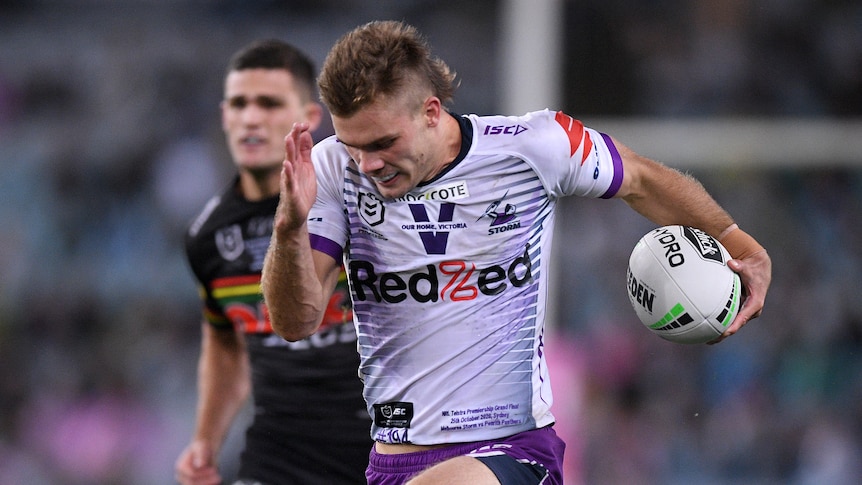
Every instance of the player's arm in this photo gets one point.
(667, 196)
(224, 383)
(296, 282)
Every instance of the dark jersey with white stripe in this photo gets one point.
(310, 423)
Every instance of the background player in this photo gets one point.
(309, 423)
(450, 303)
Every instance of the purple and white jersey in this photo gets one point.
(449, 283)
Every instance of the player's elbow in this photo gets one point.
(291, 336)
(291, 328)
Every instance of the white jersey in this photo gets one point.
(449, 283)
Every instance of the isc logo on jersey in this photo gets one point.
(448, 280)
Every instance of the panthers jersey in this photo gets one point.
(309, 422)
(449, 282)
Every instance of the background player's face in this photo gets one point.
(259, 108)
(391, 142)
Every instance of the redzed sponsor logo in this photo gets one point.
(426, 286)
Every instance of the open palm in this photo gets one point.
(298, 181)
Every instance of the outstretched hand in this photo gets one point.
(298, 181)
(755, 272)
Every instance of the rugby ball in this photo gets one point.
(680, 286)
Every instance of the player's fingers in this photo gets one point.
(196, 466)
(738, 323)
(289, 148)
(746, 313)
(199, 479)
(298, 132)
(305, 142)
(199, 476)
(756, 274)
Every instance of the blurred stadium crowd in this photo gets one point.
(111, 142)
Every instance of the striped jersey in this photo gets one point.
(449, 282)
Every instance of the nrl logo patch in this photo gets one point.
(229, 242)
(395, 414)
(371, 208)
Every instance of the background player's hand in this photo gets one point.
(197, 465)
(755, 272)
(298, 181)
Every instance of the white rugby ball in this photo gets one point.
(680, 285)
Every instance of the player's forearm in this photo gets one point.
(666, 196)
(224, 385)
(290, 286)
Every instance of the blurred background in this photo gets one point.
(110, 142)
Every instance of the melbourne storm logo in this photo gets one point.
(501, 221)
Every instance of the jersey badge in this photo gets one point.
(229, 242)
(396, 414)
(501, 220)
(371, 208)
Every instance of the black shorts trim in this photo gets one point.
(513, 472)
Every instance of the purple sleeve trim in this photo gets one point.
(618, 168)
(325, 245)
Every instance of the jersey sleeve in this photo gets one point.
(327, 220)
(212, 310)
(594, 167)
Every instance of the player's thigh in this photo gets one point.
(461, 470)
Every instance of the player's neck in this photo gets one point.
(255, 186)
(452, 137)
(451, 142)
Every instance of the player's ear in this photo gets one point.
(432, 109)
(223, 111)
(313, 115)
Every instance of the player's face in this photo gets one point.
(258, 110)
(392, 144)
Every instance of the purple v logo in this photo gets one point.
(434, 241)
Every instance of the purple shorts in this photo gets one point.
(540, 446)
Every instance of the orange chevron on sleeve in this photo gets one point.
(575, 131)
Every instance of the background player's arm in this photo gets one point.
(224, 384)
(666, 196)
